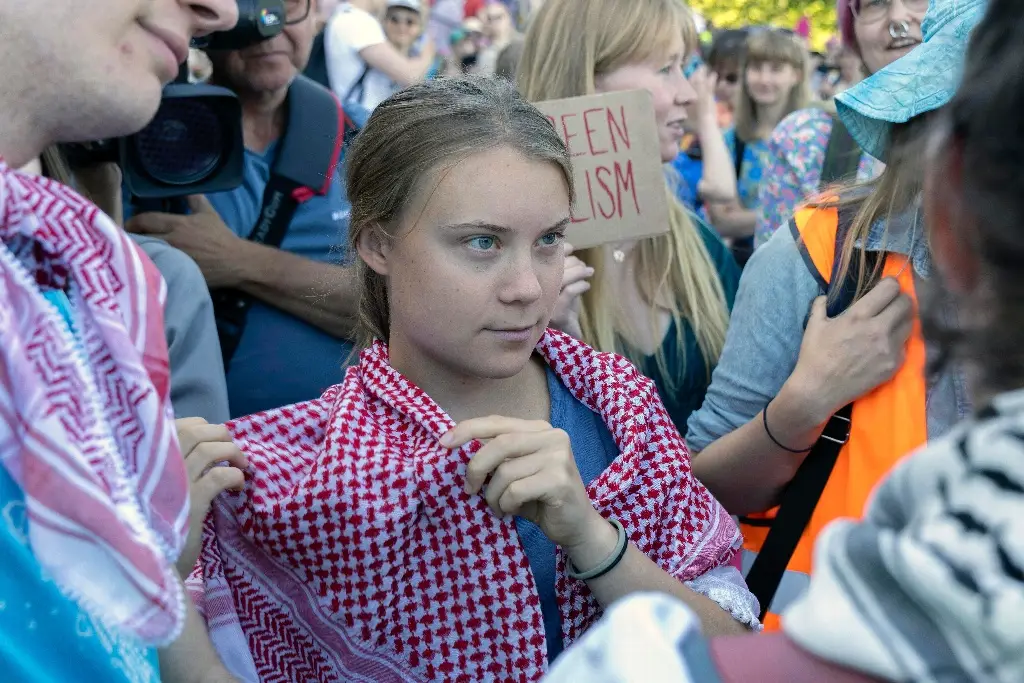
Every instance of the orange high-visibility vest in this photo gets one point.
(886, 424)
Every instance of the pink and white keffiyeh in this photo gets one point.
(354, 553)
(86, 428)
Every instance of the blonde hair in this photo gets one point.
(569, 44)
(410, 135)
(894, 191)
(774, 47)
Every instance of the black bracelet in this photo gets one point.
(609, 563)
(764, 420)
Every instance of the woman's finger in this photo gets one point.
(212, 484)
(507, 473)
(499, 449)
(488, 428)
(193, 435)
(575, 289)
(533, 489)
(575, 274)
(209, 453)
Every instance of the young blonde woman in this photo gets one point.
(878, 33)
(773, 85)
(663, 302)
(391, 531)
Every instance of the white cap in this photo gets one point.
(414, 5)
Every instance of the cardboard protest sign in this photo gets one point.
(616, 156)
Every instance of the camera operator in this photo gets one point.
(92, 485)
(292, 344)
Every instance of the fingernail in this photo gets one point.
(446, 439)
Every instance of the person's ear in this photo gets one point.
(374, 249)
(952, 227)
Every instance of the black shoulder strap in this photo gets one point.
(738, 150)
(842, 155)
(304, 167)
(801, 495)
(316, 67)
(358, 85)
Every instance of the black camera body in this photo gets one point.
(194, 143)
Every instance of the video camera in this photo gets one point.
(194, 143)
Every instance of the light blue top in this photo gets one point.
(280, 359)
(767, 327)
(594, 449)
(44, 636)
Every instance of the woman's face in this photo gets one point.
(871, 27)
(769, 83)
(728, 83)
(402, 27)
(476, 267)
(672, 93)
(497, 21)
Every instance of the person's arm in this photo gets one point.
(401, 69)
(800, 376)
(637, 573)
(198, 386)
(322, 294)
(527, 468)
(718, 180)
(796, 154)
(731, 219)
(364, 34)
(191, 658)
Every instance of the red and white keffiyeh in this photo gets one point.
(86, 428)
(354, 554)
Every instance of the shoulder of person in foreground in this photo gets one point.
(938, 563)
(198, 385)
(762, 344)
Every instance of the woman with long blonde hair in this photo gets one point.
(773, 85)
(663, 301)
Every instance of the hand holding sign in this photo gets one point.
(620, 186)
(575, 281)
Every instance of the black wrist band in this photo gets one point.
(764, 420)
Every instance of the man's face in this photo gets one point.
(270, 66)
(90, 70)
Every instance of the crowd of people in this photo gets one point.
(370, 417)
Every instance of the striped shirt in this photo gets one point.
(930, 586)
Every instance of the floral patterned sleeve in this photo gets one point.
(796, 155)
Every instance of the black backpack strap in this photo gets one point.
(358, 85)
(304, 168)
(800, 497)
(842, 155)
(738, 150)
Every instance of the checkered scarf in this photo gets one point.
(85, 422)
(354, 554)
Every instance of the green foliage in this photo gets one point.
(782, 13)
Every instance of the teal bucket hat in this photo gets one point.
(923, 80)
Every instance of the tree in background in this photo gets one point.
(782, 13)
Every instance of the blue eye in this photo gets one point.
(482, 242)
(551, 239)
